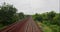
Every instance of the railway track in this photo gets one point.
(26, 25)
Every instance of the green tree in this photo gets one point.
(6, 13)
(57, 19)
(51, 15)
(21, 15)
(38, 17)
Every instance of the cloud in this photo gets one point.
(34, 6)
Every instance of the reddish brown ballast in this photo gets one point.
(26, 25)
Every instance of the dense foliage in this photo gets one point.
(8, 14)
(50, 17)
(50, 21)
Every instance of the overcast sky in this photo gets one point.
(34, 6)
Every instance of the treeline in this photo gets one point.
(48, 17)
(9, 15)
